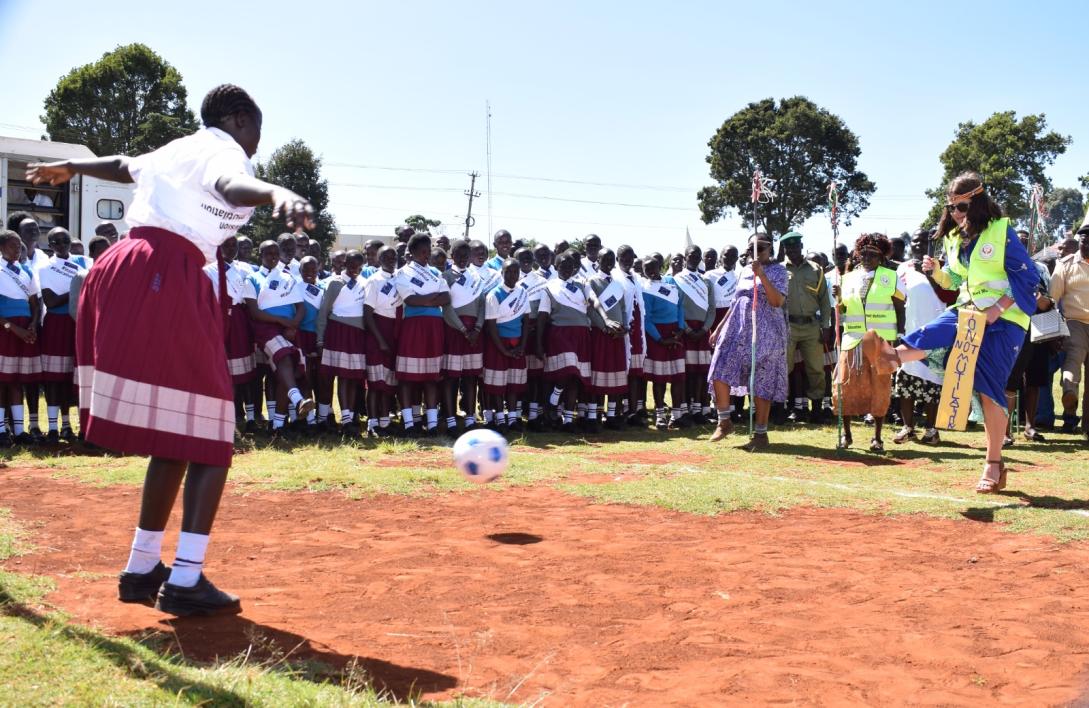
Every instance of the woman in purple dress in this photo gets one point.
(731, 363)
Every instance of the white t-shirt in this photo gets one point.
(381, 294)
(175, 189)
(921, 306)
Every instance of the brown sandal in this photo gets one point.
(988, 484)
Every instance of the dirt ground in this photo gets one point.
(528, 594)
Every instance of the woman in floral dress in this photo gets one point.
(731, 363)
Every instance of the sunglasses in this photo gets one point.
(962, 207)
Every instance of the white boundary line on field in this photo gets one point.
(881, 490)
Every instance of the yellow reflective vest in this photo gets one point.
(984, 280)
(876, 312)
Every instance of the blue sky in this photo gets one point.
(621, 94)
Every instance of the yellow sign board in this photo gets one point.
(960, 371)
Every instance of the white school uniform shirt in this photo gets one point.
(381, 294)
(349, 302)
(175, 189)
(276, 289)
(293, 268)
(921, 306)
(725, 284)
(17, 281)
(57, 275)
(236, 280)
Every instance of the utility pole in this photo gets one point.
(471, 193)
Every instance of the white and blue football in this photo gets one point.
(481, 455)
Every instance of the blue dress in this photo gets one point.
(1002, 341)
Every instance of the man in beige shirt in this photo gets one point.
(1070, 288)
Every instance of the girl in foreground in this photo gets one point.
(149, 335)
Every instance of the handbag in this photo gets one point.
(1045, 326)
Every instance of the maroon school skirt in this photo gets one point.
(534, 358)
(608, 364)
(153, 376)
(419, 350)
(664, 364)
(270, 339)
(20, 362)
(567, 354)
(345, 352)
(240, 355)
(697, 352)
(57, 344)
(459, 358)
(382, 365)
(503, 374)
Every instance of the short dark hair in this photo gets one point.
(96, 245)
(17, 217)
(417, 240)
(226, 100)
(7, 235)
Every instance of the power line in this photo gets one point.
(591, 183)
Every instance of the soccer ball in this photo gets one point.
(481, 455)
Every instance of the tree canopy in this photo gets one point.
(419, 222)
(129, 102)
(1065, 206)
(795, 142)
(1009, 154)
(295, 167)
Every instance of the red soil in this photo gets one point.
(523, 593)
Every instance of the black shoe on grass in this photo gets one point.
(142, 587)
(201, 600)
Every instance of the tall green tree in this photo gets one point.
(795, 142)
(128, 102)
(296, 167)
(419, 222)
(1009, 154)
(1064, 206)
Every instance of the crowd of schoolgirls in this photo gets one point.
(437, 337)
(37, 328)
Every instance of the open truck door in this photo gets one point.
(78, 206)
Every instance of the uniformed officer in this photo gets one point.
(809, 317)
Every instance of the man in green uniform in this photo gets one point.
(810, 319)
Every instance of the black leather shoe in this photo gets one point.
(201, 600)
(142, 587)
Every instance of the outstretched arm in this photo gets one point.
(114, 168)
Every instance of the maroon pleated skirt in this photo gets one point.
(567, 354)
(697, 352)
(664, 364)
(382, 365)
(504, 374)
(270, 339)
(57, 344)
(345, 352)
(19, 362)
(459, 357)
(153, 376)
(419, 350)
(608, 364)
(241, 360)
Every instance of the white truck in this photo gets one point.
(79, 206)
